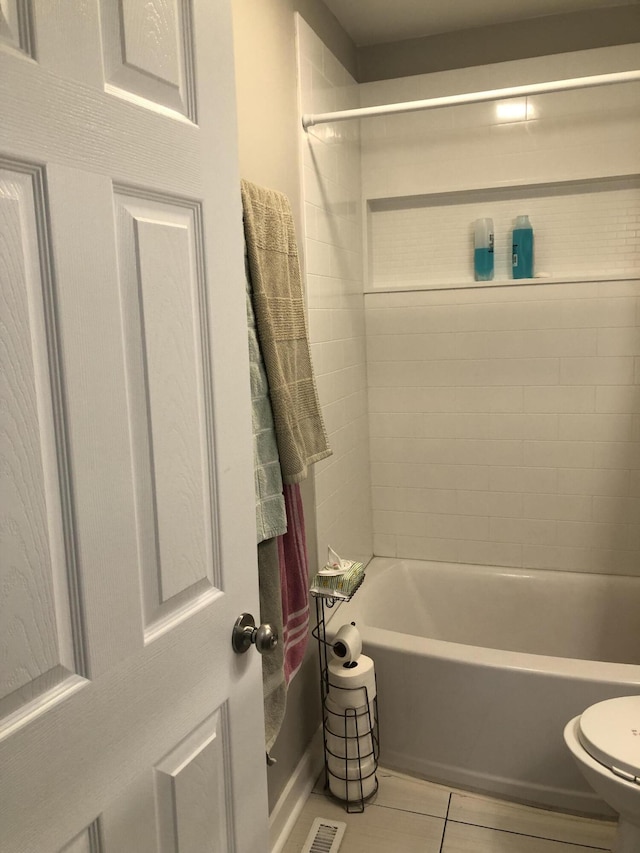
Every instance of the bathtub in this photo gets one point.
(480, 668)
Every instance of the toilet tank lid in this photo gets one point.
(610, 732)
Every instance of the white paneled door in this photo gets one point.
(127, 724)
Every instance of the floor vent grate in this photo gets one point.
(325, 836)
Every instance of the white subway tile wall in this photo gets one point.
(574, 135)
(504, 422)
(333, 263)
(577, 233)
(511, 435)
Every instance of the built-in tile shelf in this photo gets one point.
(630, 275)
(585, 230)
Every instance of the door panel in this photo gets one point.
(86, 842)
(127, 725)
(148, 53)
(15, 24)
(163, 305)
(190, 790)
(36, 628)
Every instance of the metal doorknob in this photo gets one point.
(245, 633)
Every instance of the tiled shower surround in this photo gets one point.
(504, 422)
(505, 425)
(335, 301)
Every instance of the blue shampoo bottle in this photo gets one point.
(522, 256)
(483, 250)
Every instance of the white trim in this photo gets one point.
(296, 792)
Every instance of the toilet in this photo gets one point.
(605, 742)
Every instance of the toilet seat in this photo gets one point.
(610, 732)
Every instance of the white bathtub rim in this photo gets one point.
(381, 564)
(572, 668)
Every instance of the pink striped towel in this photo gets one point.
(294, 583)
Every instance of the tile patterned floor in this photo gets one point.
(413, 816)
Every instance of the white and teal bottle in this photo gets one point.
(522, 253)
(483, 251)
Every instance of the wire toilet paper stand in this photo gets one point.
(350, 729)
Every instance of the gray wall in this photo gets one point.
(266, 82)
(268, 127)
(499, 43)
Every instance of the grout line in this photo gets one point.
(446, 821)
(446, 817)
(528, 835)
(373, 804)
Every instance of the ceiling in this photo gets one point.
(380, 21)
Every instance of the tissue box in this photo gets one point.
(338, 586)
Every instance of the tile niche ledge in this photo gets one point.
(585, 231)
(403, 287)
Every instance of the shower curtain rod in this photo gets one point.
(473, 97)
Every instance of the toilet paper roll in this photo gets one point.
(349, 722)
(353, 684)
(351, 770)
(349, 734)
(340, 777)
(347, 643)
(351, 748)
(351, 791)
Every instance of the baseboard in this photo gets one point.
(291, 802)
(572, 801)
